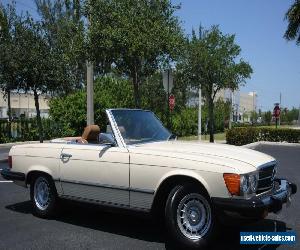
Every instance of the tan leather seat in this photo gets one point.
(90, 134)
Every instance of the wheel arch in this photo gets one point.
(38, 169)
(33, 173)
(170, 181)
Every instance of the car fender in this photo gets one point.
(184, 172)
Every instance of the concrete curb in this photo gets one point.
(256, 144)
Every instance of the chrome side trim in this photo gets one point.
(141, 199)
(109, 204)
(95, 192)
(139, 190)
(110, 194)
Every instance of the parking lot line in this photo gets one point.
(6, 181)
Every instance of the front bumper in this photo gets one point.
(13, 176)
(255, 206)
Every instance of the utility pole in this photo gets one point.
(89, 90)
(231, 110)
(200, 96)
(253, 109)
(280, 108)
(199, 114)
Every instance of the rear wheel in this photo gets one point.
(190, 217)
(43, 196)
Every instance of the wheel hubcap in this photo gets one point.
(194, 216)
(41, 193)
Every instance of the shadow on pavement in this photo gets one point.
(143, 227)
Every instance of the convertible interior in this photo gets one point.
(90, 135)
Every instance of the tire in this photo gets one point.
(189, 207)
(43, 196)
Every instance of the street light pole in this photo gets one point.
(231, 110)
(89, 89)
(199, 114)
(90, 92)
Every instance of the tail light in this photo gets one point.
(9, 161)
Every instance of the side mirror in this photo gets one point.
(107, 138)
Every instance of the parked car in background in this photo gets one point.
(137, 164)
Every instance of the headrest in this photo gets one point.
(122, 129)
(91, 133)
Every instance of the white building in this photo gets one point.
(243, 104)
(23, 104)
(248, 102)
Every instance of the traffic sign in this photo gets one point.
(276, 111)
(172, 102)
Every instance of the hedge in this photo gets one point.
(245, 135)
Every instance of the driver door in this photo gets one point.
(98, 173)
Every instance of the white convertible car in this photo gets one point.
(138, 164)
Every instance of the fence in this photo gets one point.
(27, 130)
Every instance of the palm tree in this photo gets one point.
(293, 17)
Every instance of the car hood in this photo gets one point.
(241, 159)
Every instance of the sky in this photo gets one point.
(259, 26)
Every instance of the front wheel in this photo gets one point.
(190, 217)
(43, 196)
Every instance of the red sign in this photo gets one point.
(171, 102)
(276, 111)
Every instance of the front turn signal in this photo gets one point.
(232, 182)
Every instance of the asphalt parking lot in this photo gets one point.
(90, 227)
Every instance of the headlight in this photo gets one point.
(243, 184)
(253, 181)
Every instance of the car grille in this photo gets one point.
(266, 178)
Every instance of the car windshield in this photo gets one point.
(139, 126)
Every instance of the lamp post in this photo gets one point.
(89, 89)
(199, 114)
(90, 92)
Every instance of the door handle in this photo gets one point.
(65, 155)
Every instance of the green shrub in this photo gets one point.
(245, 135)
(70, 110)
(185, 123)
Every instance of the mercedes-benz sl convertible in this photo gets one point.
(132, 161)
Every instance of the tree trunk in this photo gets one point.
(38, 115)
(136, 90)
(211, 118)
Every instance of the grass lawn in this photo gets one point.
(218, 137)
